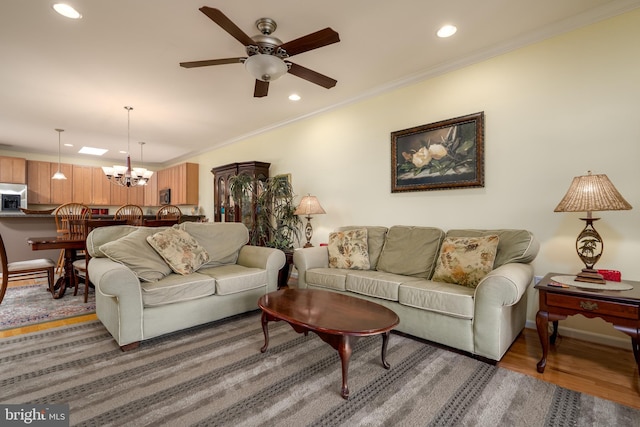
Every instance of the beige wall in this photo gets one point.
(553, 111)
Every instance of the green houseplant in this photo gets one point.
(274, 223)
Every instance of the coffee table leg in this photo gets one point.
(265, 329)
(344, 349)
(385, 341)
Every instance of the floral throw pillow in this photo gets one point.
(349, 249)
(465, 260)
(179, 249)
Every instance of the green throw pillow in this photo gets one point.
(134, 251)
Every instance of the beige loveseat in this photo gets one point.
(139, 296)
(483, 319)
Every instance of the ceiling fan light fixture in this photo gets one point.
(266, 68)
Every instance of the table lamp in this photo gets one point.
(591, 193)
(309, 205)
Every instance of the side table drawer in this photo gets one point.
(626, 311)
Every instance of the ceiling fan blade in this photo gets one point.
(261, 89)
(312, 76)
(208, 62)
(311, 41)
(225, 23)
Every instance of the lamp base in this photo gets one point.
(589, 275)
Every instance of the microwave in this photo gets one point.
(165, 197)
(10, 202)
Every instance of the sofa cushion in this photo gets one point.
(328, 278)
(376, 236)
(376, 283)
(135, 252)
(445, 298)
(221, 240)
(233, 278)
(514, 246)
(101, 235)
(411, 251)
(349, 249)
(466, 260)
(179, 249)
(175, 288)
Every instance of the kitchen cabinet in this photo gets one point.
(90, 186)
(127, 195)
(62, 189)
(41, 189)
(226, 209)
(183, 181)
(13, 170)
(39, 182)
(81, 183)
(151, 191)
(100, 187)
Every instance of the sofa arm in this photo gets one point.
(308, 258)
(500, 310)
(505, 285)
(118, 299)
(269, 259)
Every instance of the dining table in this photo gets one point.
(70, 243)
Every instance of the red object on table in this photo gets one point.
(611, 275)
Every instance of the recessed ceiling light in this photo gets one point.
(294, 97)
(68, 145)
(92, 151)
(447, 31)
(122, 151)
(66, 11)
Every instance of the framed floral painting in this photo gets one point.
(439, 156)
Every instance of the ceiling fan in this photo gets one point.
(267, 58)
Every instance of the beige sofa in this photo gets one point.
(484, 320)
(139, 296)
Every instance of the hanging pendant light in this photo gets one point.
(59, 174)
(142, 173)
(125, 176)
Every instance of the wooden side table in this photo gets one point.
(621, 308)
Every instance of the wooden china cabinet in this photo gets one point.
(226, 209)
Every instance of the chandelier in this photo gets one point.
(126, 176)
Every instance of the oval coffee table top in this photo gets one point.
(330, 312)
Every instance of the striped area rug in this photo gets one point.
(215, 375)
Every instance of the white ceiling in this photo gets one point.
(78, 75)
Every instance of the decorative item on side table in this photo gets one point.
(591, 193)
(309, 205)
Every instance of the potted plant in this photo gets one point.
(274, 223)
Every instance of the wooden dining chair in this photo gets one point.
(20, 270)
(64, 214)
(132, 213)
(169, 212)
(80, 271)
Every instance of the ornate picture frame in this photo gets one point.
(439, 156)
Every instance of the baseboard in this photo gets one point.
(588, 336)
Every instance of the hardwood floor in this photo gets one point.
(607, 372)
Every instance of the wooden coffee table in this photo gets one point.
(336, 318)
